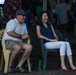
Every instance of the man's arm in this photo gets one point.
(25, 36)
(14, 34)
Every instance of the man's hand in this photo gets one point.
(24, 36)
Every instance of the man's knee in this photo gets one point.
(28, 47)
(17, 47)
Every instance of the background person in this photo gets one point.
(9, 9)
(73, 8)
(62, 19)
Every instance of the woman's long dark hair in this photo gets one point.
(39, 21)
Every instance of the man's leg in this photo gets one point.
(27, 50)
(16, 50)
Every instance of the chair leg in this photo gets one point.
(29, 65)
(6, 63)
(44, 61)
(1, 63)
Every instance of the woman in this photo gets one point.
(46, 32)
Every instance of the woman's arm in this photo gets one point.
(39, 34)
(54, 33)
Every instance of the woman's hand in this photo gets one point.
(53, 40)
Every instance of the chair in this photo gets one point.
(45, 50)
(6, 54)
(1, 61)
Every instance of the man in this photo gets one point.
(61, 11)
(15, 33)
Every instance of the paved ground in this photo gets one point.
(52, 72)
(53, 66)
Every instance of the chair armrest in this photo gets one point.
(42, 45)
(5, 51)
(28, 41)
(60, 35)
(3, 44)
(66, 39)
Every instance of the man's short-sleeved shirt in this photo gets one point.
(14, 25)
(61, 10)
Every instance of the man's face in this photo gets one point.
(21, 18)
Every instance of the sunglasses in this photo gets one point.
(23, 15)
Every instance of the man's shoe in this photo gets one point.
(19, 69)
(11, 70)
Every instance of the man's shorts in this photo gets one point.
(10, 44)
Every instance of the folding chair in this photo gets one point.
(6, 54)
(1, 61)
(45, 50)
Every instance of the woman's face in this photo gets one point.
(44, 18)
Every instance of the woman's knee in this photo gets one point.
(63, 43)
(67, 43)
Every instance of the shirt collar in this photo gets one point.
(16, 20)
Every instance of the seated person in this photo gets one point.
(15, 33)
(46, 32)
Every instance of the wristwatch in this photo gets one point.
(20, 36)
